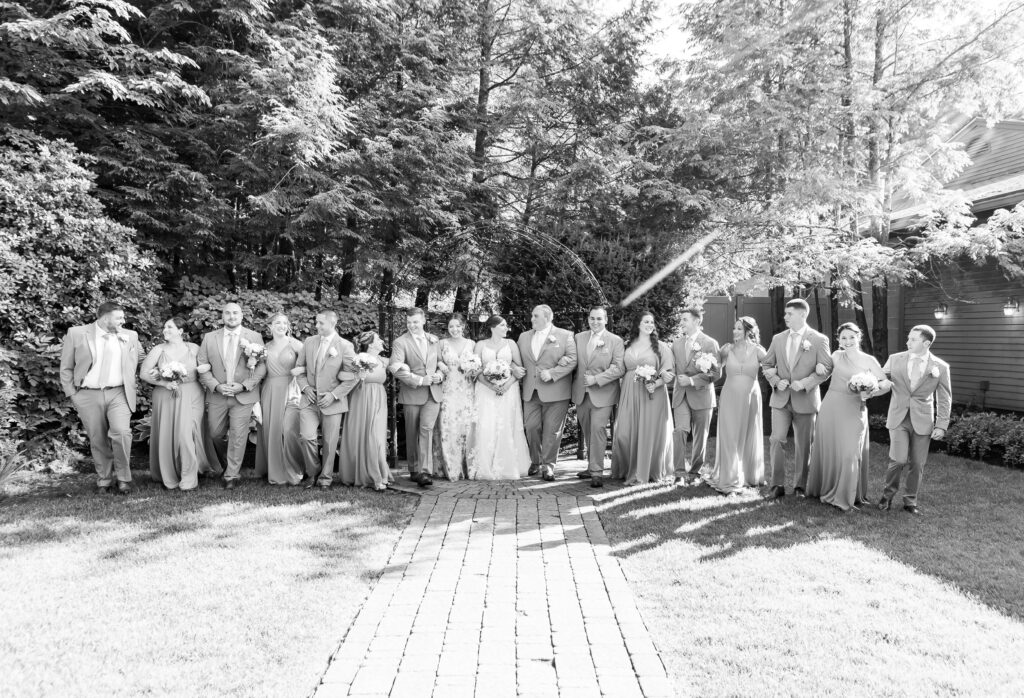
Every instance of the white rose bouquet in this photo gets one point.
(470, 364)
(864, 384)
(706, 362)
(366, 362)
(173, 372)
(497, 372)
(646, 373)
(254, 353)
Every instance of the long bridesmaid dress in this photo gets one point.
(278, 453)
(642, 447)
(840, 452)
(456, 418)
(363, 447)
(739, 444)
(176, 446)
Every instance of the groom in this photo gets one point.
(549, 357)
(693, 399)
(790, 367)
(919, 381)
(595, 389)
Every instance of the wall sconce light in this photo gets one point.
(482, 317)
(1010, 307)
(940, 311)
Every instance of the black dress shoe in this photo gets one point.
(534, 469)
(424, 479)
(230, 484)
(596, 482)
(777, 493)
(799, 492)
(124, 488)
(102, 489)
(549, 473)
(584, 475)
(884, 504)
(912, 509)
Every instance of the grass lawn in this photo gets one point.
(746, 597)
(163, 593)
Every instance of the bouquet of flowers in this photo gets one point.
(497, 372)
(646, 373)
(254, 353)
(470, 364)
(863, 383)
(173, 372)
(366, 362)
(706, 362)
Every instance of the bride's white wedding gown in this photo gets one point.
(498, 448)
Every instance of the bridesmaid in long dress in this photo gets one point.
(278, 452)
(739, 444)
(363, 448)
(457, 393)
(839, 458)
(642, 446)
(176, 451)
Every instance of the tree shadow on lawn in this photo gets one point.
(969, 534)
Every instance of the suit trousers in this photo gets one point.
(544, 422)
(107, 421)
(906, 447)
(319, 466)
(419, 435)
(698, 424)
(803, 430)
(593, 421)
(229, 430)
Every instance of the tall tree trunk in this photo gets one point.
(833, 306)
(880, 315)
(777, 303)
(463, 297)
(880, 227)
(862, 319)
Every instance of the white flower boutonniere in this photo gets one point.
(551, 340)
(332, 352)
(599, 343)
(694, 346)
(123, 339)
(431, 339)
(934, 372)
(805, 345)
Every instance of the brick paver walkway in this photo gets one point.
(500, 589)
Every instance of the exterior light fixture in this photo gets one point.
(1010, 307)
(482, 317)
(940, 311)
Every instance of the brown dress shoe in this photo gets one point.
(549, 473)
(596, 482)
(534, 469)
(584, 475)
(124, 488)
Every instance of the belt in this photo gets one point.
(108, 387)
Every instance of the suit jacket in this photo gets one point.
(605, 364)
(211, 351)
(339, 359)
(408, 361)
(921, 401)
(700, 395)
(558, 344)
(79, 349)
(805, 401)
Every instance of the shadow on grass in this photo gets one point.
(969, 534)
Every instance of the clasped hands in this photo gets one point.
(323, 401)
(230, 389)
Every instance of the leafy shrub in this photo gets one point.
(978, 434)
(1013, 446)
(12, 460)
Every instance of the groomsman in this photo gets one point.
(694, 396)
(328, 377)
(415, 364)
(791, 368)
(98, 363)
(595, 389)
(232, 390)
(919, 381)
(547, 387)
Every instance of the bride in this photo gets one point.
(498, 449)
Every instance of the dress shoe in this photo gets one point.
(534, 469)
(124, 488)
(102, 489)
(858, 502)
(424, 480)
(884, 504)
(584, 475)
(777, 493)
(596, 482)
(912, 509)
(799, 492)
(230, 484)
(549, 473)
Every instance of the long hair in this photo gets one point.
(364, 340)
(750, 328)
(492, 322)
(634, 332)
(852, 327)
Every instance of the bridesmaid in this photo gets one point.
(739, 444)
(176, 451)
(839, 458)
(642, 446)
(456, 400)
(278, 453)
(363, 448)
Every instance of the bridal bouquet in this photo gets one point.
(864, 383)
(706, 362)
(497, 372)
(646, 373)
(366, 362)
(173, 372)
(470, 364)
(254, 353)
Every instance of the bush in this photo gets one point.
(986, 434)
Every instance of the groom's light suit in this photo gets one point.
(594, 403)
(412, 363)
(228, 417)
(325, 373)
(798, 408)
(692, 404)
(912, 417)
(545, 404)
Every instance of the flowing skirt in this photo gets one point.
(840, 452)
(642, 447)
(278, 452)
(497, 443)
(739, 446)
(176, 440)
(363, 447)
(453, 425)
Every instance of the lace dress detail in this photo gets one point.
(497, 443)
(456, 418)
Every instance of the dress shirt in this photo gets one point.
(916, 369)
(592, 344)
(539, 337)
(110, 345)
(793, 344)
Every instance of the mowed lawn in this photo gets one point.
(795, 598)
(208, 593)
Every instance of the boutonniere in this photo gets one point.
(599, 343)
(694, 346)
(332, 352)
(551, 340)
(431, 339)
(934, 372)
(805, 345)
(123, 339)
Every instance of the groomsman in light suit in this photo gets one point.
(549, 357)
(415, 363)
(595, 388)
(328, 376)
(693, 397)
(920, 384)
(798, 361)
(98, 363)
(231, 389)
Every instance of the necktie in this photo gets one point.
(538, 342)
(321, 353)
(686, 348)
(592, 344)
(231, 358)
(794, 345)
(915, 372)
(107, 359)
